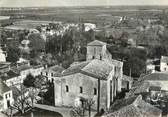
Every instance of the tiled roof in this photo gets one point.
(75, 68)
(95, 68)
(3, 88)
(99, 68)
(23, 67)
(37, 66)
(55, 68)
(129, 111)
(142, 88)
(122, 103)
(157, 76)
(133, 107)
(96, 43)
(154, 88)
(8, 75)
(148, 109)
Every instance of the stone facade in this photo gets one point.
(164, 64)
(99, 78)
(2, 56)
(72, 87)
(98, 50)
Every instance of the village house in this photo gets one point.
(127, 82)
(2, 56)
(153, 88)
(99, 78)
(133, 107)
(50, 72)
(11, 78)
(164, 64)
(6, 96)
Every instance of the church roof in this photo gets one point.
(94, 68)
(96, 43)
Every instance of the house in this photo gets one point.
(133, 107)
(164, 64)
(37, 70)
(2, 56)
(6, 96)
(127, 82)
(98, 78)
(4, 67)
(23, 70)
(98, 50)
(154, 82)
(11, 78)
(50, 72)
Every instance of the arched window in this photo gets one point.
(67, 88)
(100, 57)
(81, 90)
(95, 91)
(52, 74)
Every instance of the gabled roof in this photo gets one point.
(96, 43)
(9, 74)
(133, 107)
(95, 68)
(23, 68)
(160, 76)
(55, 68)
(3, 88)
(154, 88)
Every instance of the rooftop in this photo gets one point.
(55, 68)
(157, 76)
(96, 43)
(95, 68)
(3, 88)
(9, 74)
(132, 107)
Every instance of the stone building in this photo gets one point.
(6, 96)
(50, 72)
(99, 78)
(164, 64)
(98, 50)
(2, 56)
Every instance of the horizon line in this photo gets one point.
(78, 6)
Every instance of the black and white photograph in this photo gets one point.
(83, 58)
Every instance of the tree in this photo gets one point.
(29, 81)
(89, 103)
(13, 54)
(22, 102)
(37, 43)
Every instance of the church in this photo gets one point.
(98, 78)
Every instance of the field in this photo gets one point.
(84, 14)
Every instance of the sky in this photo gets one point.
(32, 3)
